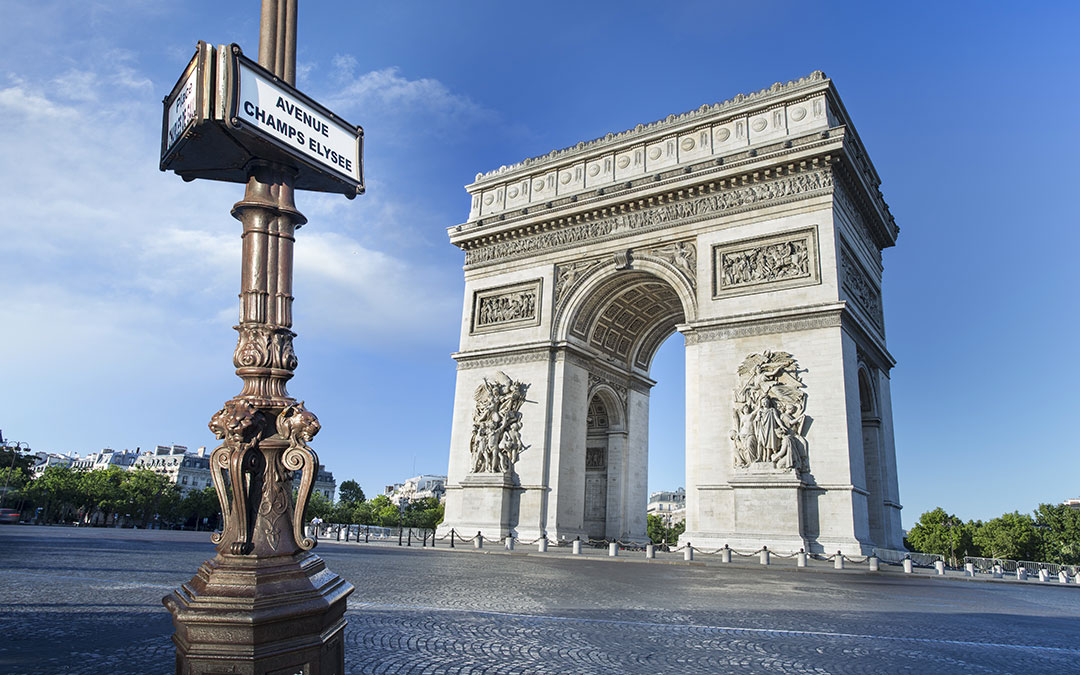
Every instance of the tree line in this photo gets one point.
(143, 498)
(138, 497)
(1050, 534)
(353, 509)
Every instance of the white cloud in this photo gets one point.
(389, 99)
(102, 228)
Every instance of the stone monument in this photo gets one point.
(755, 228)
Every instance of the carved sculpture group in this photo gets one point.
(496, 438)
(772, 262)
(769, 413)
(506, 307)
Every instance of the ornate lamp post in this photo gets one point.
(265, 603)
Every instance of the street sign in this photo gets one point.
(226, 111)
(262, 104)
(188, 104)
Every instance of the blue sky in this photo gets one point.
(120, 282)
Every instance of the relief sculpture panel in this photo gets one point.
(860, 289)
(766, 264)
(506, 307)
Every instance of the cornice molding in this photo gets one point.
(681, 207)
(766, 323)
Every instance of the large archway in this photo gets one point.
(753, 227)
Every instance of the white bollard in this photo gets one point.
(763, 558)
(875, 564)
(1044, 575)
(838, 561)
(1021, 574)
(612, 550)
(939, 566)
(478, 542)
(541, 546)
(800, 559)
(1062, 577)
(650, 552)
(688, 552)
(998, 572)
(577, 547)
(725, 555)
(969, 569)
(908, 569)
(509, 543)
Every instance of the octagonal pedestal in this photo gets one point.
(260, 616)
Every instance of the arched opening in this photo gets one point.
(667, 416)
(598, 430)
(620, 320)
(872, 462)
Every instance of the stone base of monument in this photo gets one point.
(260, 616)
(487, 504)
(766, 508)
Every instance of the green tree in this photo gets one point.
(142, 491)
(426, 513)
(654, 527)
(199, 504)
(22, 460)
(351, 493)
(16, 480)
(942, 533)
(364, 513)
(1059, 534)
(1011, 536)
(100, 491)
(384, 512)
(341, 513)
(56, 492)
(318, 506)
(660, 533)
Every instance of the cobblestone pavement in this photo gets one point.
(80, 601)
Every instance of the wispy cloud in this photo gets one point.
(423, 106)
(102, 228)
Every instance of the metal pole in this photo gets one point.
(11, 469)
(265, 603)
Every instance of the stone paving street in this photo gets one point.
(78, 601)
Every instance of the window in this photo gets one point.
(185, 480)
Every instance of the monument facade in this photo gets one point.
(755, 228)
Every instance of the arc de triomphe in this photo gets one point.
(755, 228)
